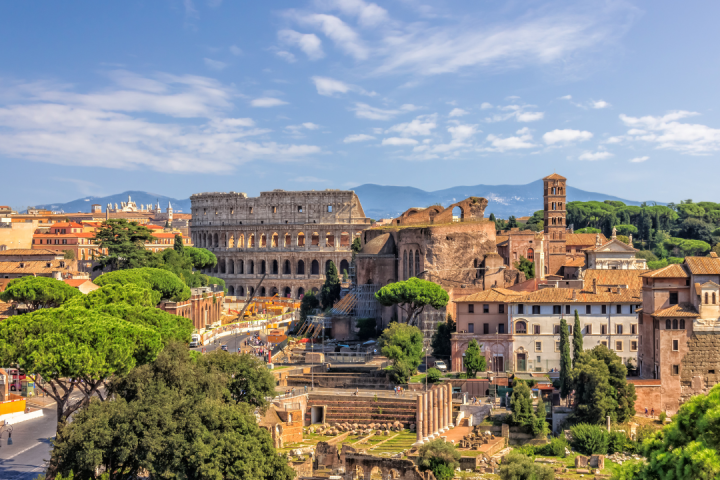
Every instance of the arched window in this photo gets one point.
(520, 327)
(274, 240)
(251, 269)
(675, 324)
(405, 269)
(301, 239)
(263, 241)
(215, 240)
(531, 253)
(682, 324)
(286, 267)
(231, 290)
(344, 266)
(713, 298)
(262, 292)
(668, 324)
(417, 262)
(231, 266)
(222, 267)
(315, 268)
(275, 267)
(301, 268)
(706, 298)
(288, 240)
(241, 267)
(286, 292)
(301, 293)
(410, 264)
(262, 267)
(274, 291)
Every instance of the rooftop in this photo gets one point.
(703, 265)
(679, 310)
(492, 295)
(671, 271)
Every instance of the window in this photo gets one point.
(471, 308)
(536, 329)
(557, 309)
(471, 328)
(588, 329)
(556, 329)
(619, 329)
(521, 309)
(676, 369)
(668, 324)
(603, 343)
(713, 298)
(618, 309)
(707, 296)
(521, 327)
(486, 328)
(603, 309)
(501, 308)
(299, 208)
(675, 324)
(673, 298)
(538, 346)
(501, 328)
(619, 345)
(536, 309)
(587, 310)
(567, 309)
(682, 324)
(633, 345)
(251, 210)
(676, 345)
(633, 329)
(486, 308)
(570, 327)
(603, 329)
(329, 209)
(557, 346)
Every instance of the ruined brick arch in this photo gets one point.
(361, 467)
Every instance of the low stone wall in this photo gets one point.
(341, 380)
(476, 414)
(363, 410)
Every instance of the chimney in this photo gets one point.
(574, 294)
(57, 275)
(594, 285)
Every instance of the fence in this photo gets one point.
(360, 357)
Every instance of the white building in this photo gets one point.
(613, 255)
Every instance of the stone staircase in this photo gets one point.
(363, 410)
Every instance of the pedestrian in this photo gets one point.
(646, 412)
(652, 412)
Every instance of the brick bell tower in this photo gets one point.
(555, 222)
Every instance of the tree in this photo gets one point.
(308, 304)
(526, 266)
(474, 361)
(248, 380)
(512, 222)
(403, 345)
(577, 339)
(39, 292)
(412, 296)
(492, 217)
(540, 426)
(686, 449)
(516, 466)
(125, 243)
(441, 338)
(356, 247)
(433, 375)
(367, 328)
(521, 405)
(200, 257)
(330, 292)
(440, 457)
(173, 418)
(179, 247)
(65, 346)
(166, 283)
(601, 387)
(565, 361)
(69, 254)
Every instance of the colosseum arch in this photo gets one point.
(345, 240)
(251, 240)
(250, 291)
(240, 241)
(231, 291)
(344, 266)
(300, 267)
(251, 267)
(301, 239)
(315, 268)
(241, 267)
(329, 239)
(274, 240)
(286, 267)
(240, 291)
(222, 267)
(275, 267)
(315, 239)
(263, 267)
(216, 242)
(230, 266)
(287, 293)
(263, 292)
(263, 241)
(300, 292)
(231, 241)
(288, 240)
(273, 291)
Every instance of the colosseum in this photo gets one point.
(290, 236)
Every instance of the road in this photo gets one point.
(233, 341)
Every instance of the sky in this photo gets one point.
(177, 97)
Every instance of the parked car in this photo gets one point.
(440, 365)
(223, 347)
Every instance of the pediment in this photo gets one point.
(615, 246)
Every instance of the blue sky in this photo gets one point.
(178, 97)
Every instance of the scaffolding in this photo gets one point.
(367, 306)
(429, 320)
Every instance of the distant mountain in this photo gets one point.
(141, 198)
(381, 201)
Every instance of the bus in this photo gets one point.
(15, 378)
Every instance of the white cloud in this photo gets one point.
(457, 112)
(486, 105)
(421, 126)
(599, 104)
(639, 159)
(235, 50)
(307, 42)
(298, 129)
(530, 116)
(287, 56)
(363, 110)
(344, 37)
(669, 134)
(590, 156)
(329, 87)
(566, 136)
(359, 137)
(397, 141)
(130, 124)
(566, 97)
(523, 140)
(265, 102)
(215, 64)
(368, 14)
(518, 112)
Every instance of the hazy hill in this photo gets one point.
(141, 198)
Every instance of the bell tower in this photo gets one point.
(554, 195)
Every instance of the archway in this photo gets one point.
(274, 240)
(240, 291)
(222, 267)
(329, 240)
(286, 267)
(345, 239)
(275, 267)
(273, 291)
(315, 240)
(315, 268)
(215, 240)
(251, 241)
(288, 240)
(241, 267)
(263, 268)
(231, 241)
(231, 291)
(230, 266)
(300, 267)
(458, 214)
(250, 291)
(262, 291)
(240, 241)
(287, 292)
(301, 239)
(263, 241)
(344, 266)
(301, 292)
(251, 268)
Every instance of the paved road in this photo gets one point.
(25, 458)
(232, 341)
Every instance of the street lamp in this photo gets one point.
(9, 429)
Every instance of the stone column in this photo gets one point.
(450, 407)
(443, 409)
(419, 421)
(426, 417)
(436, 412)
(430, 416)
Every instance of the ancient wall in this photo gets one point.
(288, 236)
(701, 361)
(17, 235)
(471, 209)
(649, 395)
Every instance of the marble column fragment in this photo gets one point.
(419, 421)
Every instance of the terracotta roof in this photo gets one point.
(671, 271)
(554, 176)
(500, 239)
(703, 265)
(565, 295)
(28, 251)
(154, 227)
(679, 310)
(575, 239)
(576, 262)
(76, 282)
(631, 278)
(4, 283)
(66, 225)
(492, 295)
(30, 267)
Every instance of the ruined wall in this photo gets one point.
(702, 360)
(472, 208)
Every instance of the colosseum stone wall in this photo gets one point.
(291, 236)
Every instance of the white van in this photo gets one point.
(195, 340)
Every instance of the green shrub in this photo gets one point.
(433, 375)
(556, 448)
(517, 466)
(589, 439)
(617, 441)
(662, 417)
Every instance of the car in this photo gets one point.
(440, 365)
(224, 347)
(194, 344)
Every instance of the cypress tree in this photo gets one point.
(331, 288)
(565, 361)
(179, 247)
(577, 339)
